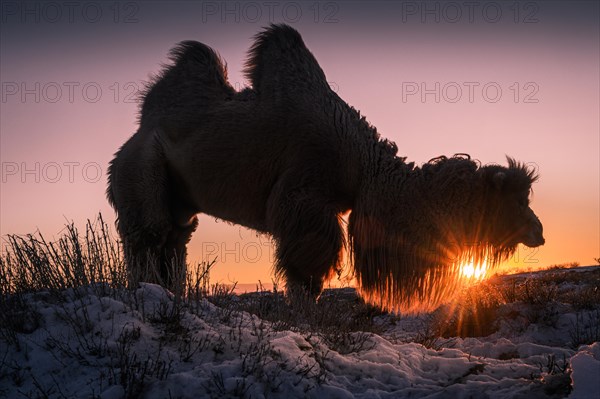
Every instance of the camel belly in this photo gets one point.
(231, 162)
(229, 188)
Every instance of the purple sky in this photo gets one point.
(491, 79)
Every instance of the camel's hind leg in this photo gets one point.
(153, 240)
(173, 256)
(142, 220)
(157, 255)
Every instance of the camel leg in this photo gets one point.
(309, 240)
(144, 229)
(139, 193)
(142, 248)
(173, 256)
(157, 255)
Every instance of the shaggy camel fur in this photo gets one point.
(287, 157)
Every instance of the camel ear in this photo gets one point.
(499, 179)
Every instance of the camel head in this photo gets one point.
(511, 219)
(413, 230)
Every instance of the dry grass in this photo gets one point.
(562, 266)
(475, 315)
(67, 272)
(31, 264)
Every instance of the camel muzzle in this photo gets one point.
(535, 236)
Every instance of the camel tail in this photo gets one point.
(196, 80)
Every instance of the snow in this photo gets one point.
(96, 342)
(586, 372)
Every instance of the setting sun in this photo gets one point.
(472, 271)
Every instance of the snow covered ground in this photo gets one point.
(96, 342)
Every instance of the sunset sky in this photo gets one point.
(490, 79)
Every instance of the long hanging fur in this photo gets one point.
(447, 216)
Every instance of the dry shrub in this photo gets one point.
(30, 263)
(561, 266)
(340, 316)
(475, 313)
(585, 329)
(585, 298)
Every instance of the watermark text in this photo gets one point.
(51, 172)
(455, 92)
(70, 12)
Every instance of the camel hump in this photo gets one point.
(201, 63)
(196, 79)
(279, 62)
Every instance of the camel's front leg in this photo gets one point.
(309, 240)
